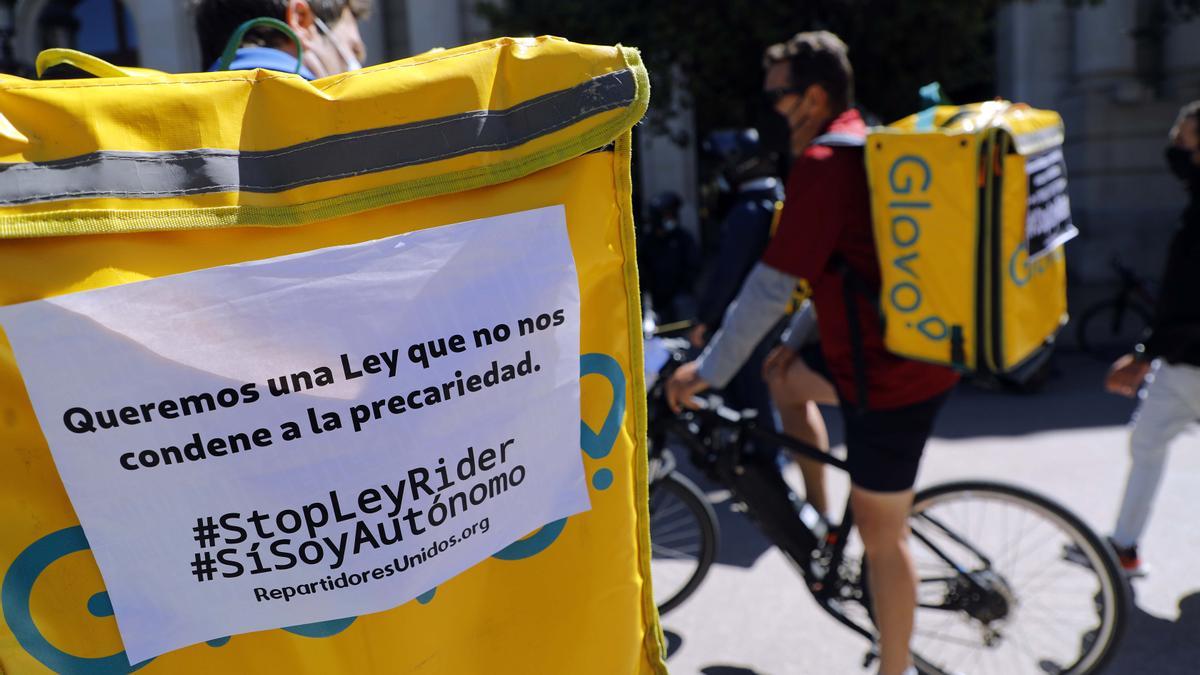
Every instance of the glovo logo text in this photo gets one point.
(1021, 269)
(909, 180)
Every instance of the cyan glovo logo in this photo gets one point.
(908, 203)
(1021, 269)
(16, 591)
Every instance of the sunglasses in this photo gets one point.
(777, 95)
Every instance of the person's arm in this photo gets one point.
(757, 307)
(1176, 291)
(759, 304)
(800, 327)
(1127, 373)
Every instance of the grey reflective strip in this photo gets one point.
(161, 174)
(839, 140)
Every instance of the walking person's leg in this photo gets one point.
(1170, 403)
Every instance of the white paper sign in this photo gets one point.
(315, 436)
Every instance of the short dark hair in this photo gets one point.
(817, 57)
(216, 20)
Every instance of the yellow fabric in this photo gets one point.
(934, 194)
(70, 118)
(87, 63)
(1033, 294)
(925, 244)
(581, 605)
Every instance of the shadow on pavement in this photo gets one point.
(740, 543)
(674, 642)
(1072, 398)
(1161, 646)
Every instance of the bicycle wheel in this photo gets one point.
(683, 539)
(1111, 328)
(1011, 582)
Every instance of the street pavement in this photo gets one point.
(752, 615)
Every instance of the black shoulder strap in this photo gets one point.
(852, 287)
(839, 140)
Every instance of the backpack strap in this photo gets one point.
(853, 287)
(840, 140)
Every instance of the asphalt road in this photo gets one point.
(752, 616)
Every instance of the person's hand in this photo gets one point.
(685, 383)
(696, 335)
(777, 362)
(1126, 375)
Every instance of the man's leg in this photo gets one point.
(795, 390)
(1169, 406)
(882, 520)
(884, 449)
(806, 423)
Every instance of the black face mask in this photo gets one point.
(1180, 161)
(773, 133)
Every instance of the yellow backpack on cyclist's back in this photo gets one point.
(970, 211)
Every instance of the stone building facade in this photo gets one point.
(1118, 73)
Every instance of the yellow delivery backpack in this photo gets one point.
(970, 210)
(133, 179)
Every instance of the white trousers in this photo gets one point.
(1170, 402)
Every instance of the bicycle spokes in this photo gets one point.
(1029, 593)
(683, 539)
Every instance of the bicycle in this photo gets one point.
(1110, 327)
(684, 533)
(982, 586)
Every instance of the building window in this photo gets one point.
(102, 28)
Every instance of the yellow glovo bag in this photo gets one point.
(320, 377)
(970, 210)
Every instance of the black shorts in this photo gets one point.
(884, 447)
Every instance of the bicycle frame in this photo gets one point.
(755, 480)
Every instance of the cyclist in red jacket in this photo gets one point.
(825, 237)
